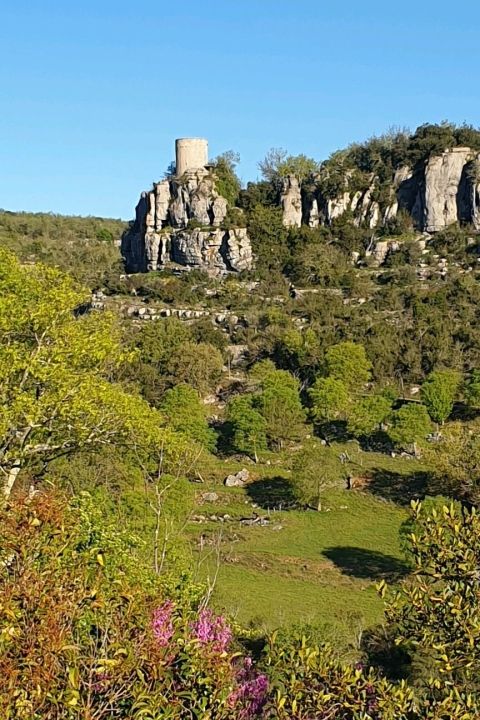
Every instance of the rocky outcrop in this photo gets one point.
(469, 206)
(291, 202)
(445, 190)
(179, 221)
(194, 197)
(442, 182)
(214, 250)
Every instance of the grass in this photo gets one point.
(304, 566)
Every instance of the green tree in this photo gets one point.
(187, 414)
(280, 379)
(348, 362)
(368, 413)
(409, 424)
(227, 182)
(279, 403)
(158, 340)
(455, 461)
(300, 351)
(439, 392)
(269, 238)
(248, 426)
(260, 371)
(198, 364)
(278, 163)
(314, 470)
(472, 390)
(330, 399)
(55, 364)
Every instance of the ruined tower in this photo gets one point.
(190, 154)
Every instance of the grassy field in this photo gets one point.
(305, 566)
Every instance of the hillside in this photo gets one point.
(409, 299)
(214, 421)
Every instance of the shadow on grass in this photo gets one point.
(366, 564)
(398, 487)
(272, 493)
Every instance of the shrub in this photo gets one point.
(87, 631)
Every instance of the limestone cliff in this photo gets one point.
(179, 221)
(291, 202)
(440, 191)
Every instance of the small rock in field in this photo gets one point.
(238, 479)
(210, 497)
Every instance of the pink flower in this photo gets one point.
(212, 629)
(162, 624)
(251, 692)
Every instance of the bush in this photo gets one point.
(86, 631)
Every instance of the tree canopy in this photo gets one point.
(55, 363)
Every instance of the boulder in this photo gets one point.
(238, 479)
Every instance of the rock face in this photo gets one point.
(445, 190)
(179, 221)
(291, 202)
(442, 184)
(215, 249)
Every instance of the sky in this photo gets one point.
(94, 93)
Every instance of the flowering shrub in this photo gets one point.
(162, 624)
(251, 691)
(84, 637)
(201, 674)
(212, 630)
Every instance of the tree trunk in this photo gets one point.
(10, 481)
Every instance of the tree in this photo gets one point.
(55, 395)
(409, 424)
(315, 469)
(438, 393)
(248, 426)
(280, 379)
(198, 364)
(368, 413)
(472, 390)
(260, 371)
(278, 163)
(279, 404)
(348, 362)
(158, 340)
(300, 350)
(330, 399)
(227, 182)
(269, 238)
(187, 414)
(455, 461)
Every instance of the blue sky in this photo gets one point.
(93, 94)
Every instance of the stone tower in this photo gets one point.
(190, 154)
